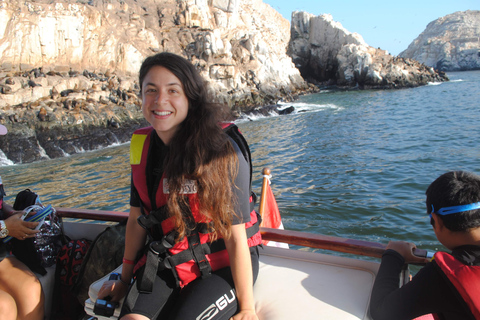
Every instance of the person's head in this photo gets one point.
(202, 116)
(454, 197)
(183, 69)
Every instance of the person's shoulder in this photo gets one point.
(145, 130)
(235, 146)
(227, 125)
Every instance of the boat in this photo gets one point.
(292, 283)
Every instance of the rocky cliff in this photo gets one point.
(450, 43)
(327, 53)
(68, 69)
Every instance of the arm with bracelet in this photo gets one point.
(135, 237)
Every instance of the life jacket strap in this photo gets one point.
(156, 261)
(254, 228)
(253, 200)
(199, 254)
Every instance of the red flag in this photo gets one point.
(271, 217)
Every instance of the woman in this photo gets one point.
(191, 200)
(21, 294)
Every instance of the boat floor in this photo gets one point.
(303, 285)
(292, 284)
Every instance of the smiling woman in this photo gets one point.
(190, 200)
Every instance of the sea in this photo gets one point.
(351, 164)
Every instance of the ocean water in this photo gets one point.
(352, 164)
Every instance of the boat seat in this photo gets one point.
(295, 284)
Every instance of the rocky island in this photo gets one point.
(326, 53)
(450, 43)
(68, 74)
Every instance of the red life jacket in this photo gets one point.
(194, 255)
(465, 278)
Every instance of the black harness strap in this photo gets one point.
(145, 285)
(194, 245)
(198, 253)
(156, 255)
(255, 228)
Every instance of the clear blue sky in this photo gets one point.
(390, 25)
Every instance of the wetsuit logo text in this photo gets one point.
(219, 305)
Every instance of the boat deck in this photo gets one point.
(294, 284)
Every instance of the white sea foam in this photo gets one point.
(300, 107)
(434, 83)
(42, 151)
(4, 161)
(308, 107)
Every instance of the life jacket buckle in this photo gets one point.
(166, 244)
(166, 263)
(157, 247)
(144, 222)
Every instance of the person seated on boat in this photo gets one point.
(190, 201)
(21, 294)
(449, 286)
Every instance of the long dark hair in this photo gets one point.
(199, 150)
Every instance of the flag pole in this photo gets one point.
(263, 199)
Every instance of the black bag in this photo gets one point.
(103, 256)
(34, 252)
(24, 199)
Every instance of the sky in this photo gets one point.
(390, 25)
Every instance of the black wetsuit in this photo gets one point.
(210, 298)
(429, 291)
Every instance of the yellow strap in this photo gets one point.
(136, 148)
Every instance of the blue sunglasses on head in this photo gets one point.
(456, 209)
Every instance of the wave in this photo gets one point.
(309, 107)
(434, 83)
(4, 161)
(283, 109)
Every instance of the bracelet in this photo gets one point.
(126, 261)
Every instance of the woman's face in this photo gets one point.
(164, 103)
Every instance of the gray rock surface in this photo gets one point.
(70, 67)
(327, 53)
(239, 46)
(450, 43)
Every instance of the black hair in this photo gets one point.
(453, 189)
